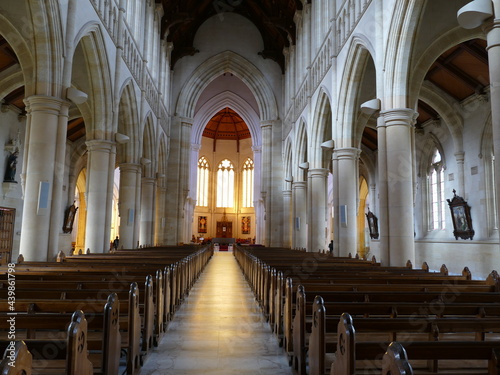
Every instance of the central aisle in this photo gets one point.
(218, 330)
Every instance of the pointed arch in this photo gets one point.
(446, 110)
(25, 76)
(219, 102)
(148, 148)
(301, 146)
(228, 62)
(350, 122)
(128, 118)
(97, 111)
(397, 60)
(321, 131)
(424, 61)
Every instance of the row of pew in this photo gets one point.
(338, 315)
(92, 313)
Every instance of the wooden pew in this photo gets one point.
(349, 351)
(446, 292)
(68, 356)
(129, 319)
(411, 311)
(395, 361)
(17, 360)
(322, 341)
(103, 338)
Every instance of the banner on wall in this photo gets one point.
(202, 224)
(245, 224)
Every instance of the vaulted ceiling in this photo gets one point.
(273, 18)
(459, 72)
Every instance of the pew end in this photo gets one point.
(344, 362)
(22, 360)
(395, 361)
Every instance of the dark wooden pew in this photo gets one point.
(349, 351)
(17, 360)
(323, 338)
(103, 338)
(68, 356)
(129, 318)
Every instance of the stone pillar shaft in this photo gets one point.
(318, 235)
(128, 205)
(299, 191)
(100, 152)
(43, 177)
(347, 192)
(287, 218)
(147, 210)
(398, 186)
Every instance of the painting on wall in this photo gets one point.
(245, 225)
(202, 224)
(460, 214)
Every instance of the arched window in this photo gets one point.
(436, 192)
(225, 184)
(247, 183)
(202, 183)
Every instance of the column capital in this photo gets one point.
(195, 147)
(346, 153)
(148, 181)
(47, 104)
(299, 185)
(130, 167)
(101, 145)
(318, 172)
(398, 116)
(287, 193)
(460, 156)
(257, 148)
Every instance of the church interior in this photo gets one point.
(297, 133)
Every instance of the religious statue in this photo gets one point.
(10, 170)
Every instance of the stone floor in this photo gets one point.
(218, 330)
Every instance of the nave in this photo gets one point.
(219, 329)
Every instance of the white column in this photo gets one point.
(127, 204)
(460, 157)
(318, 234)
(492, 30)
(299, 191)
(185, 153)
(147, 210)
(287, 218)
(347, 192)
(98, 166)
(398, 124)
(159, 236)
(257, 180)
(266, 167)
(44, 168)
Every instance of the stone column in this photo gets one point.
(159, 236)
(147, 210)
(396, 183)
(492, 30)
(185, 153)
(257, 180)
(460, 157)
(299, 191)
(266, 166)
(127, 203)
(100, 153)
(317, 228)
(43, 176)
(347, 190)
(287, 218)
